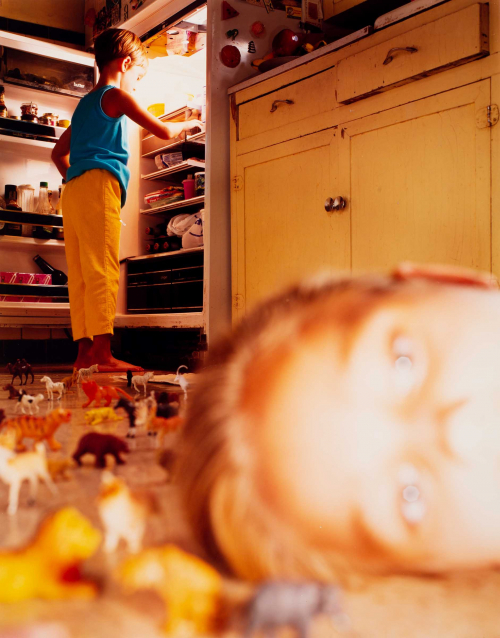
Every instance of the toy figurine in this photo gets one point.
(165, 397)
(52, 387)
(38, 428)
(130, 409)
(29, 402)
(95, 393)
(164, 426)
(101, 415)
(13, 393)
(190, 587)
(27, 466)
(123, 514)
(277, 604)
(8, 437)
(84, 374)
(142, 380)
(68, 382)
(48, 566)
(182, 381)
(20, 368)
(129, 378)
(100, 445)
(60, 468)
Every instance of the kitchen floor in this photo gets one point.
(464, 606)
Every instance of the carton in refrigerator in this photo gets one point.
(8, 278)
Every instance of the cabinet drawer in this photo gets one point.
(309, 97)
(449, 41)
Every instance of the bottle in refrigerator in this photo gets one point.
(44, 208)
(58, 277)
(3, 107)
(59, 230)
(11, 204)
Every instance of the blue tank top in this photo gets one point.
(99, 141)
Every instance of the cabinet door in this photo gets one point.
(281, 231)
(417, 179)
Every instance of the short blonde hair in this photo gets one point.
(119, 43)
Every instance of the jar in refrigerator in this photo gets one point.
(11, 228)
(44, 208)
(49, 119)
(26, 199)
(3, 107)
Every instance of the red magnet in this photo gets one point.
(230, 56)
(228, 11)
(90, 18)
(257, 29)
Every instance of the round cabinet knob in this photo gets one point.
(337, 204)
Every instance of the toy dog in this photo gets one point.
(143, 380)
(29, 402)
(130, 409)
(69, 381)
(28, 466)
(48, 566)
(100, 445)
(13, 393)
(101, 415)
(52, 387)
(84, 374)
(123, 514)
(96, 393)
(20, 368)
(38, 428)
(190, 587)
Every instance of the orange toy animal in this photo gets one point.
(159, 424)
(97, 393)
(38, 428)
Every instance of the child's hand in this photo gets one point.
(191, 124)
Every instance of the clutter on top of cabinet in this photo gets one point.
(63, 541)
(100, 445)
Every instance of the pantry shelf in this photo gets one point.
(30, 241)
(183, 203)
(185, 167)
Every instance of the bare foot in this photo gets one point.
(110, 364)
(83, 359)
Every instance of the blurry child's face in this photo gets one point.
(384, 440)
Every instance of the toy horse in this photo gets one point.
(18, 369)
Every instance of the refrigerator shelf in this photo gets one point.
(169, 145)
(33, 290)
(36, 219)
(31, 241)
(183, 203)
(189, 165)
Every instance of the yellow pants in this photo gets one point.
(91, 213)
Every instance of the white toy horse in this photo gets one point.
(84, 374)
(142, 380)
(182, 381)
(27, 466)
(52, 387)
(30, 403)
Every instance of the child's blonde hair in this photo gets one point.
(219, 468)
(119, 43)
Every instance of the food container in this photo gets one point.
(188, 187)
(29, 112)
(157, 109)
(167, 160)
(50, 119)
(167, 195)
(64, 123)
(199, 183)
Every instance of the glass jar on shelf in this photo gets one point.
(26, 199)
(44, 208)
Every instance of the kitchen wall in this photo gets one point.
(60, 14)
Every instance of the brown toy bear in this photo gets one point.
(99, 445)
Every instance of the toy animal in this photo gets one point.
(96, 393)
(165, 397)
(29, 403)
(13, 393)
(101, 415)
(182, 381)
(143, 380)
(20, 368)
(8, 438)
(86, 373)
(123, 514)
(129, 378)
(100, 445)
(130, 409)
(68, 382)
(38, 428)
(60, 469)
(48, 566)
(277, 604)
(27, 466)
(52, 387)
(164, 426)
(190, 587)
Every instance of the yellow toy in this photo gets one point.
(60, 468)
(101, 415)
(38, 427)
(8, 438)
(190, 587)
(48, 567)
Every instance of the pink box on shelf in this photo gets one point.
(42, 279)
(9, 278)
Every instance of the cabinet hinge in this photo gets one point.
(237, 181)
(487, 117)
(238, 302)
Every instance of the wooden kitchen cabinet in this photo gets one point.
(417, 166)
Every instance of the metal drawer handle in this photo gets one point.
(276, 103)
(389, 58)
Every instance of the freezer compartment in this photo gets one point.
(165, 283)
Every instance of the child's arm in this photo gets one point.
(117, 102)
(60, 153)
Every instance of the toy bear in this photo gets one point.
(99, 445)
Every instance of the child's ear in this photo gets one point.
(125, 64)
(446, 275)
